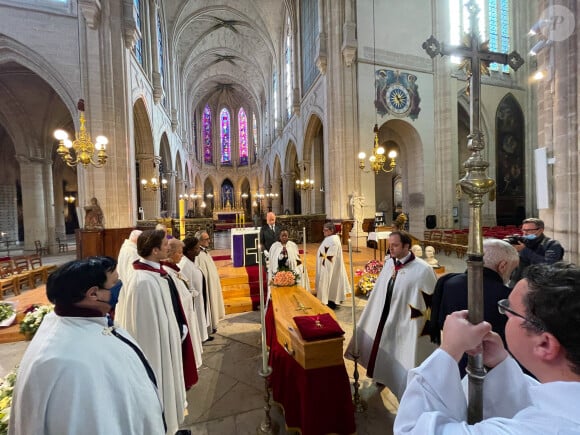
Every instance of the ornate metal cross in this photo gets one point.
(476, 59)
(300, 305)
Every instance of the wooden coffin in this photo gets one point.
(289, 302)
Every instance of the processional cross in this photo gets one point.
(476, 58)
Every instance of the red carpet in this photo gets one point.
(221, 257)
(254, 282)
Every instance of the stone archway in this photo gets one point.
(313, 159)
(145, 162)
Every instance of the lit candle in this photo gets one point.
(182, 219)
(353, 299)
(262, 312)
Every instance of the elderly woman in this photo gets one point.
(284, 255)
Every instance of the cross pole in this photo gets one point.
(476, 59)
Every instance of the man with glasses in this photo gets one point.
(542, 333)
(536, 248)
(81, 374)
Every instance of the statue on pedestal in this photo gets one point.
(357, 202)
(94, 216)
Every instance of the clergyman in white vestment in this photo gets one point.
(80, 374)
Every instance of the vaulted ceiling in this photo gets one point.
(225, 47)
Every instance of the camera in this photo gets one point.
(514, 239)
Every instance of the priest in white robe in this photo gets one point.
(80, 374)
(149, 312)
(191, 249)
(212, 281)
(174, 256)
(332, 283)
(127, 256)
(392, 332)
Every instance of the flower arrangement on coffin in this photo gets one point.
(7, 313)
(6, 391)
(369, 277)
(33, 318)
(285, 278)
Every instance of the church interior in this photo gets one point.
(207, 114)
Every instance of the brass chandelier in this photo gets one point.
(82, 149)
(378, 159)
(306, 184)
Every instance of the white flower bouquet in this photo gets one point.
(33, 318)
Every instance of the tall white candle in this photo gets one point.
(262, 312)
(353, 299)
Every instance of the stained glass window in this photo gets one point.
(494, 24)
(226, 157)
(207, 135)
(160, 47)
(308, 33)
(255, 131)
(275, 98)
(243, 136)
(138, 48)
(288, 69)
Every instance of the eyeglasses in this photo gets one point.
(529, 230)
(503, 307)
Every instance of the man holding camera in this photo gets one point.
(535, 248)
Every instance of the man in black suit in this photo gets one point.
(269, 233)
(499, 260)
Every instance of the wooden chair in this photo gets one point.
(62, 246)
(23, 270)
(436, 238)
(447, 242)
(38, 270)
(39, 248)
(8, 281)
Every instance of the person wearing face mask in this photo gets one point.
(450, 294)
(537, 248)
(70, 376)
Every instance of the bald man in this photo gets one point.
(127, 255)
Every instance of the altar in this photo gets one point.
(244, 246)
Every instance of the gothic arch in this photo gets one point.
(314, 158)
(145, 163)
(510, 157)
(410, 163)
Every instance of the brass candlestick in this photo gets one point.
(359, 404)
(266, 427)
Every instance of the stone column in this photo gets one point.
(34, 199)
(172, 191)
(288, 180)
(51, 207)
